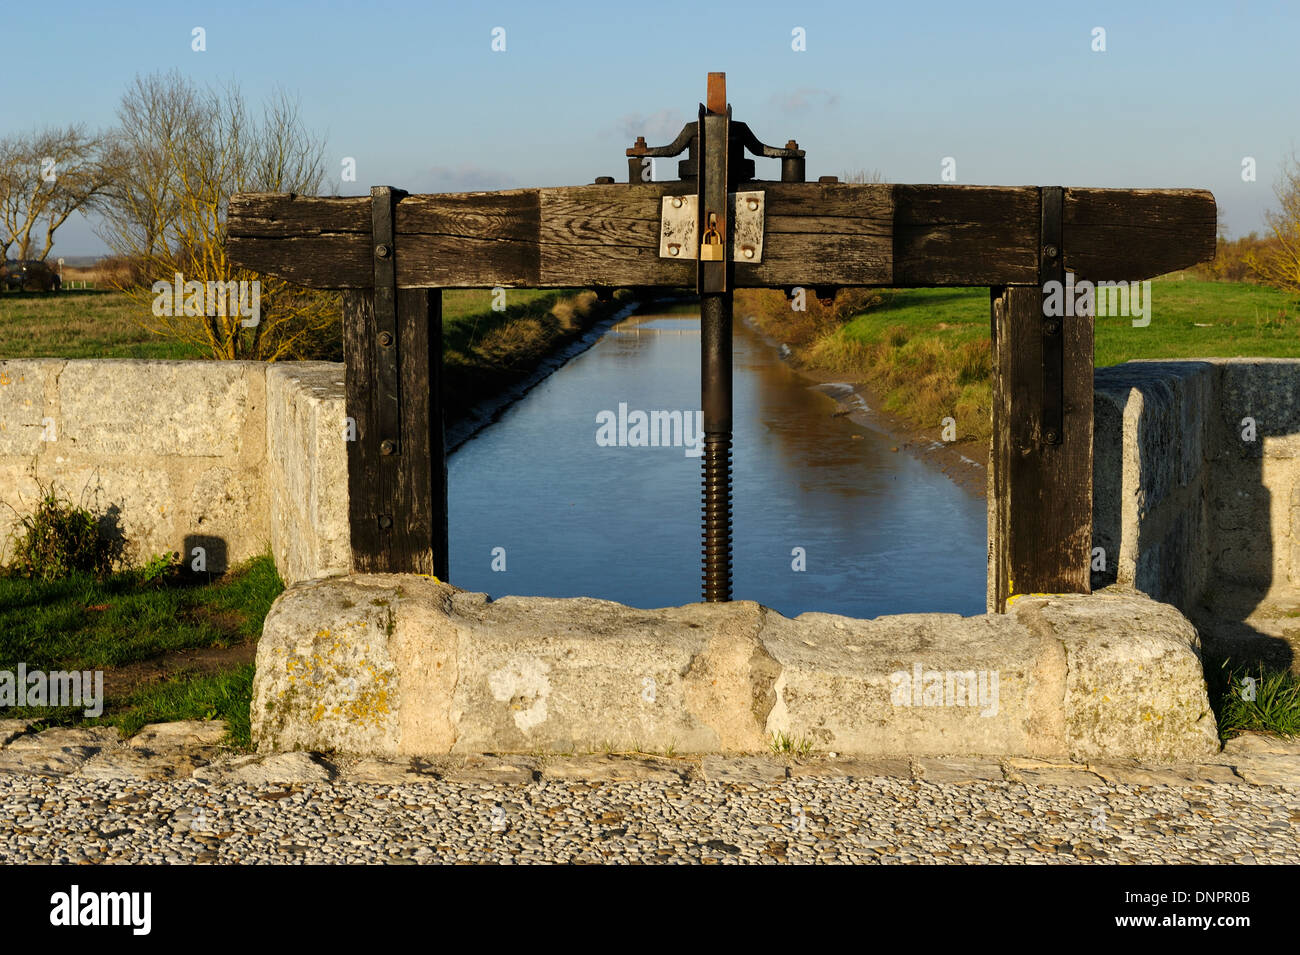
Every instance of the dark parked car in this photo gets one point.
(29, 274)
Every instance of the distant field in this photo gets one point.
(79, 324)
(925, 352)
(105, 324)
(1189, 319)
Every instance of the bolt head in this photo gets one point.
(1049, 251)
(749, 252)
(383, 251)
(753, 205)
(1052, 437)
(385, 338)
(385, 521)
(387, 446)
(677, 202)
(674, 249)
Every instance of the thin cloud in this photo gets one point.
(659, 128)
(803, 99)
(465, 177)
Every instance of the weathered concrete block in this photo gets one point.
(1166, 407)
(23, 404)
(138, 502)
(874, 687)
(171, 453)
(1134, 683)
(129, 408)
(1152, 431)
(307, 467)
(1265, 389)
(1241, 547)
(406, 666)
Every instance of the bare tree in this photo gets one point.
(1278, 262)
(46, 176)
(157, 116)
(187, 150)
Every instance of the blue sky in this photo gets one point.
(1012, 91)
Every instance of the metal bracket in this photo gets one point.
(1051, 267)
(679, 227)
(383, 199)
(747, 209)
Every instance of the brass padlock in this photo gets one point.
(711, 247)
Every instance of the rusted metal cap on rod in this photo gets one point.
(716, 100)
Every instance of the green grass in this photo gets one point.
(226, 695)
(80, 324)
(86, 624)
(926, 351)
(785, 745)
(1189, 319)
(1275, 708)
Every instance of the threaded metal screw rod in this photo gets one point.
(717, 517)
(715, 389)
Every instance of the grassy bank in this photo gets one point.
(485, 351)
(925, 353)
(174, 647)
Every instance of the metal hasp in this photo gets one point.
(1052, 269)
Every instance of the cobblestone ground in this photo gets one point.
(171, 795)
(880, 820)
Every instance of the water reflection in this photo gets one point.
(882, 533)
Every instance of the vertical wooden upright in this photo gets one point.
(397, 470)
(1040, 487)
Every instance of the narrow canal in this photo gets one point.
(567, 495)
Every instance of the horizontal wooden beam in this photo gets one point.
(841, 234)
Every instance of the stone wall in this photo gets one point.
(1184, 500)
(402, 665)
(307, 468)
(173, 453)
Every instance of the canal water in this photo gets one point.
(567, 495)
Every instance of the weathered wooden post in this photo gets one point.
(393, 253)
(397, 466)
(1040, 495)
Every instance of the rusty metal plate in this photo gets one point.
(747, 210)
(679, 228)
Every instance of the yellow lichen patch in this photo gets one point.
(370, 707)
(1014, 597)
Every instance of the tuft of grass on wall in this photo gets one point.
(1275, 707)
